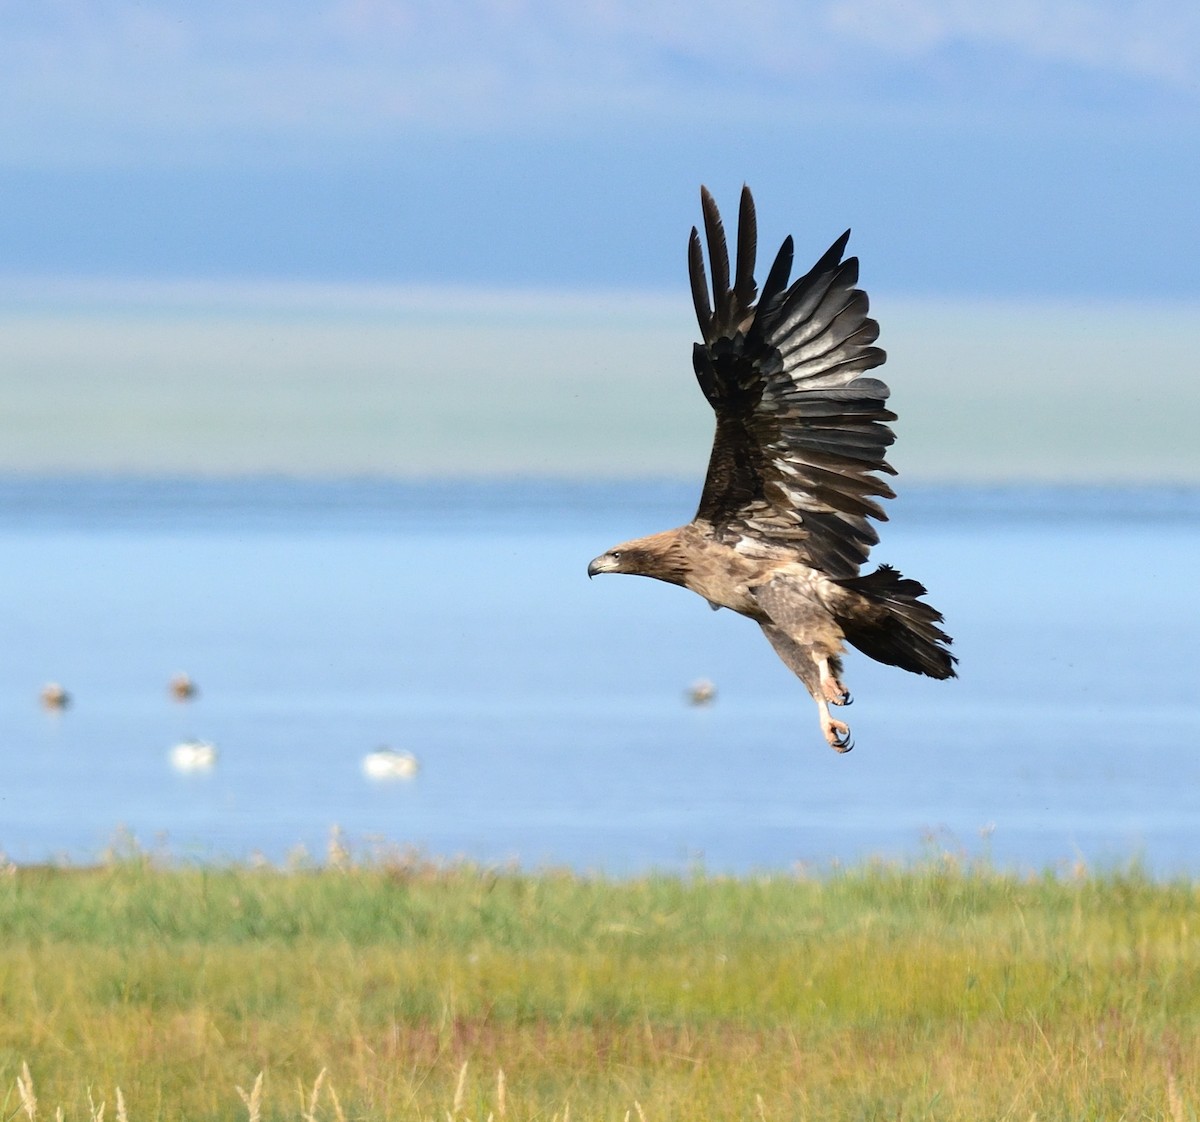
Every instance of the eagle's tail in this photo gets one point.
(905, 632)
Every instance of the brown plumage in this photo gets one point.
(783, 525)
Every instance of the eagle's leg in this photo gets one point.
(831, 686)
(818, 671)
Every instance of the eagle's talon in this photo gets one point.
(833, 690)
(838, 735)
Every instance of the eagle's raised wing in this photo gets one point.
(800, 431)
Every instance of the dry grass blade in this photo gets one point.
(501, 1104)
(1174, 1100)
(310, 1115)
(253, 1100)
(337, 853)
(640, 1113)
(97, 1112)
(25, 1090)
(460, 1091)
(338, 1113)
(121, 1115)
(762, 1107)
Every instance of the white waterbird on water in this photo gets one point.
(387, 763)
(193, 755)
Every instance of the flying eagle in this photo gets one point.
(783, 524)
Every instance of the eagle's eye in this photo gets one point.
(615, 554)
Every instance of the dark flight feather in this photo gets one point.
(775, 286)
(699, 279)
(745, 288)
(718, 259)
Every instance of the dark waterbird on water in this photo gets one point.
(783, 524)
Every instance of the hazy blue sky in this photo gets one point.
(1032, 158)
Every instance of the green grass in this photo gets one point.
(931, 992)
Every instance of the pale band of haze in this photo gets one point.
(312, 381)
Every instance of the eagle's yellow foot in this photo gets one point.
(835, 693)
(836, 732)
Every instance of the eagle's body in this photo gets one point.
(782, 528)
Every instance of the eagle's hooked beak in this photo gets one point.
(605, 563)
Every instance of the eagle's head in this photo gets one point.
(660, 556)
(619, 559)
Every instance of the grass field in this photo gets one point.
(931, 992)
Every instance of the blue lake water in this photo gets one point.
(322, 620)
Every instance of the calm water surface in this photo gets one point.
(322, 620)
